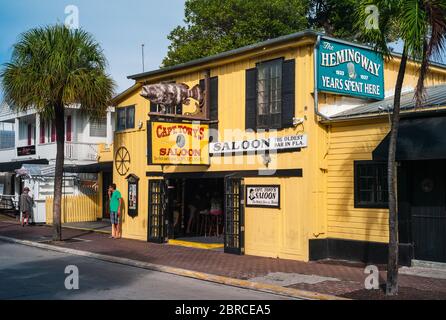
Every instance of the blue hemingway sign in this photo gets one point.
(349, 70)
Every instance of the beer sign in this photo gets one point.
(350, 70)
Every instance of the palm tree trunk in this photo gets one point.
(58, 177)
(392, 267)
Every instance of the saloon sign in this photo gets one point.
(350, 70)
(258, 145)
(178, 143)
(263, 196)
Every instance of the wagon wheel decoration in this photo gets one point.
(122, 161)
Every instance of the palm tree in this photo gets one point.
(53, 67)
(421, 26)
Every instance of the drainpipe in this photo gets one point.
(316, 91)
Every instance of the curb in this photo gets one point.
(85, 229)
(294, 293)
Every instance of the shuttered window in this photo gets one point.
(371, 189)
(270, 95)
(98, 128)
(213, 108)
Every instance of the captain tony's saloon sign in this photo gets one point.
(349, 70)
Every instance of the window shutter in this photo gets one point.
(68, 133)
(214, 108)
(251, 99)
(288, 92)
(202, 85)
(53, 131)
(42, 131)
(214, 99)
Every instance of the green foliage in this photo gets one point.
(52, 67)
(214, 26)
(420, 24)
(335, 17)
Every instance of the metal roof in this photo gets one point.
(435, 97)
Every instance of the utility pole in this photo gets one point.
(142, 47)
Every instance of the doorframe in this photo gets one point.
(241, 223)
(163, 208)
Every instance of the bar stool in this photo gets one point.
(204, 221)
(215, 221)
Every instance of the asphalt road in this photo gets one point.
(32, 273)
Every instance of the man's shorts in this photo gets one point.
(114, 218)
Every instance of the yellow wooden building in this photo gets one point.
(294, 125)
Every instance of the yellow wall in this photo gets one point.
(350, 142)
(356, 140)
(75, 208)
(318, 205)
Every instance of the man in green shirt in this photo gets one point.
(115, 210)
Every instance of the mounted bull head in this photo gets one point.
(170, 95)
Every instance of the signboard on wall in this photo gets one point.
(263, 196)
(257, 145)
(350, 70)
(177, 143)
(26, 151)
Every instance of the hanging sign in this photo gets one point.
(257, 145)
(177, 143)
(350, 70)
(263, 196)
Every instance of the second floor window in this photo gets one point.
(98, 128)
(7, 136)
(269, 94)
(126, 118)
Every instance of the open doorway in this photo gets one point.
(195, 210)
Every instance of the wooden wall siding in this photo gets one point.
(349, 143)
(75, 208)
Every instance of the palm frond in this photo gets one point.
(54, 66)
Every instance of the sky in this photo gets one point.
(120, 26)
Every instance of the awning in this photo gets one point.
(38, 170)
(11, 166)
(91, 168)
(418, 139)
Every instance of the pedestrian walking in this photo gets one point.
(115, 211)
(26, 206)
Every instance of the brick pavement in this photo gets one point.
(351, 276)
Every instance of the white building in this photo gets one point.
(25, 138)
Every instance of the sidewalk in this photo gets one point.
(328, 277)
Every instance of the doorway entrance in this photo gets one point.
(195, 210)
(427, 185)
(206, 212)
